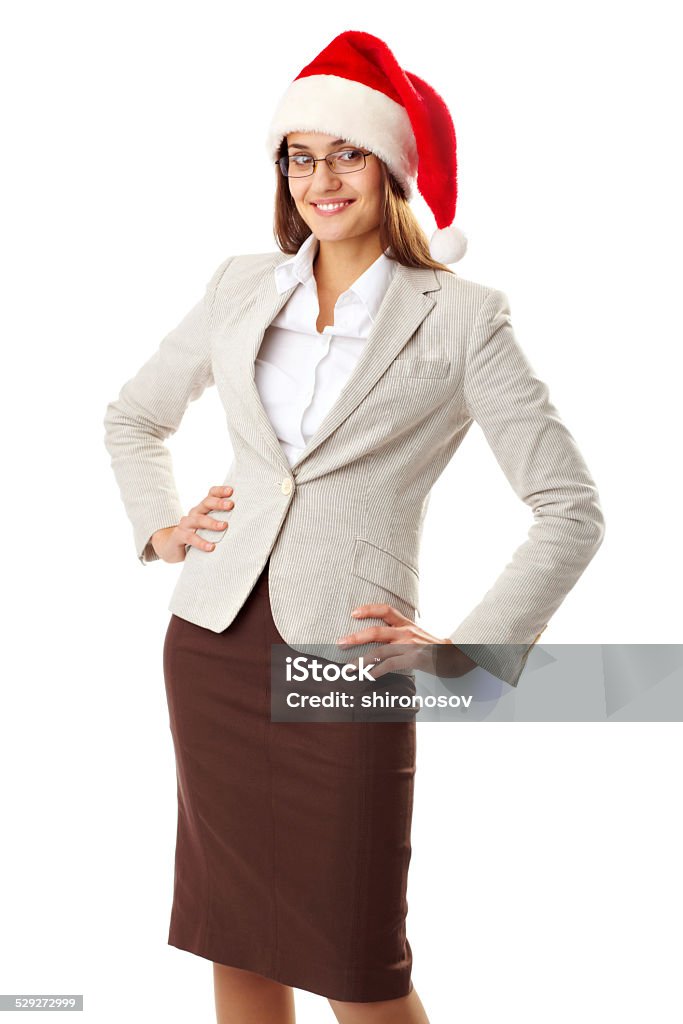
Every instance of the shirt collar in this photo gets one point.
(370, 287)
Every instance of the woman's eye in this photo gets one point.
(353, 154)
(301, 160)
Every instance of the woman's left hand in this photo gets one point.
(415, 648)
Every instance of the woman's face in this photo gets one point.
(362, 187)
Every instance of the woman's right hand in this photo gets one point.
(170, 542)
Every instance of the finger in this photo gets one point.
(394, 655)
(190, 539)
(200, 521)
(211, 502)
(409, 660)
(383, 650)
(378, 666)
(387, 612)
(216, 498)
(401, 634)
(380, 669)
(378, 634)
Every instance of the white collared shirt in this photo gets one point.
(299, 372)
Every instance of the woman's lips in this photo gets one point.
(332, 213)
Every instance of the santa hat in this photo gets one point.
(356, 90)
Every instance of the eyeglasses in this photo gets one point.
(302, 164)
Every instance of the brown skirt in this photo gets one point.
(293, 840)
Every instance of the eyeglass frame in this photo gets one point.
(319, 159)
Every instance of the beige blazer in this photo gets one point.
(343, 525)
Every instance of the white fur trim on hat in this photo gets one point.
(349, 110)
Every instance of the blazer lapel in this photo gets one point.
(265, 305)
(405, 305)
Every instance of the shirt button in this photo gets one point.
(286, 486)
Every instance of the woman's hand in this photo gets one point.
(415, 645)
(170, 542)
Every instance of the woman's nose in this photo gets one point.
(322, 167)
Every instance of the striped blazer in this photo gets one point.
(343, 526)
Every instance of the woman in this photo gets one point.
(350, 373)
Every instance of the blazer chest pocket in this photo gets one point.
(419, 366)
(379, 566)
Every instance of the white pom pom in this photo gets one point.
(448, 245)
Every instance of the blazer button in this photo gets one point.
(286, 486)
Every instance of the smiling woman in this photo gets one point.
(299, 197)
(350, 364)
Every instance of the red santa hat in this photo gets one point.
(356, 90)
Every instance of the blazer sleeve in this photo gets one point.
(543, 464)
(149, 408)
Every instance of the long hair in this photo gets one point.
(399, 230)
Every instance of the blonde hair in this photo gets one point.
(399, 230)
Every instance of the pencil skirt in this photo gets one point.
(293, 838)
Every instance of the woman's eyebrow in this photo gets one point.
(299, 145)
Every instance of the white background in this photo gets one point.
(544, 881)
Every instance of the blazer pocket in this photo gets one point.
(387, 570)
(419, 366)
